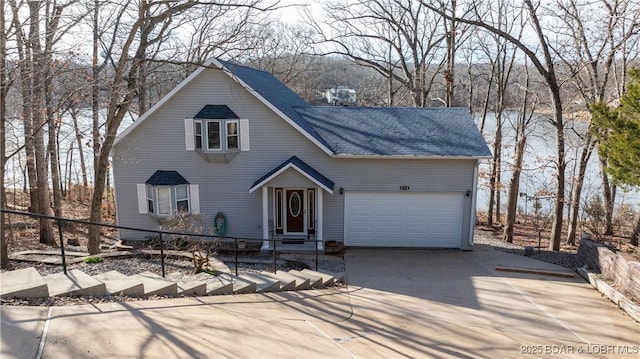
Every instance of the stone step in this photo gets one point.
(302, 282)
(327, 279)
(121, 284)
(339, 277)
(188, 284)
(74, 283)
(240, 285)
(23, 283)
(263, 284)
(192, 287)
(315, 281)
(287, 282)
(154, 284)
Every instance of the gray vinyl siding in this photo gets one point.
(158, 143)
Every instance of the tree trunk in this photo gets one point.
(608, 192)
(487, 97)
(83, 166)
(576, 192)
(514, 189)
(95, 88)
(4, 251)
(495, 169)
(556, 227)
(38, 108)
(449, 76)
(53, 159)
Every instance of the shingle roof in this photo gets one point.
(372, 131)
(301, 166)
(275, 92)
(392, 131)
(216, 112)
(166, 178)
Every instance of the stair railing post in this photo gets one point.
(64, 259)
(316, 245)
(161, 253)
(274, 256)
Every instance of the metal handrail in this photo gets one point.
(205, 237)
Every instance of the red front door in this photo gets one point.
(294, 206)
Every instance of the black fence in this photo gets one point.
(159, 237)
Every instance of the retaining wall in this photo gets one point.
(619, 268)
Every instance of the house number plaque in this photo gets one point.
(404, 188)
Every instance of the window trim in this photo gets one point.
(198, 136)
(227, 135)
(149, 190)
(187, 198)
(157, 192)
(221, 144)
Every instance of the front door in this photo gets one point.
(294, 207)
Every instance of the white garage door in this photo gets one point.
(403, 219)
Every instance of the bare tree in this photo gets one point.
(502, 55)
(124, 55)
(31, 58)
(541, 58)
(590, 39)
(400, 39)
(522, 128)
(4, 87)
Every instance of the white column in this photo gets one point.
(319, 217)
(265, 217)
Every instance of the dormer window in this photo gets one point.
(220, 135)
(216, 133)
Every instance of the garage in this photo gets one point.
(392, 219)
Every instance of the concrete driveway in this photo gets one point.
(399, 303)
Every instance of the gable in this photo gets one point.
(337, 131)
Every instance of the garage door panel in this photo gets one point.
(403, 219)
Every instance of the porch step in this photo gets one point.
(23, 283)
(240, 285)
(120, 284)
(338, 277)
(27, 283)
(302, 282)
(315, 281)
(327, 279)
(286, 282)
(74, 283)
(156, 285)
(188, 284)
(263, 283)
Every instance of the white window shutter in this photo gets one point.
(194, 194)
(189, 137)
(142, 198)
(244, 135)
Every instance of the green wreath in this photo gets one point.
(220, 224)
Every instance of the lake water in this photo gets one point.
(538, 175)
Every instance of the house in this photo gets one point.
(234, 140)
(341, 96)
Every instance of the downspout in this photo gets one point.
(474, 190)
